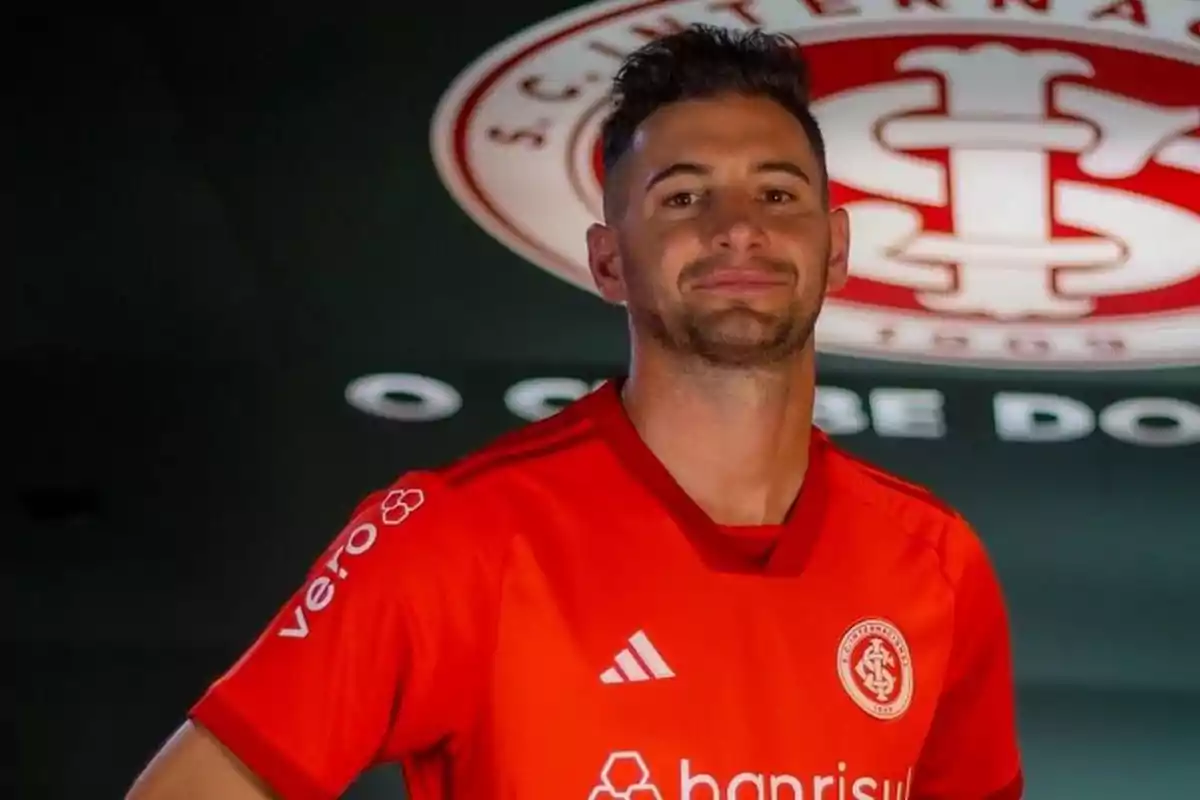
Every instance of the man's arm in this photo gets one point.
(971, 751)
(193, 764)
(377, 655)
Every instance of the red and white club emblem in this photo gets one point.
(876, 668)
(1023, 182)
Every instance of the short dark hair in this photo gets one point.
(701, 62)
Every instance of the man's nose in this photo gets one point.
(736, 228)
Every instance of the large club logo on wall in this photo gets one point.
(1023, 176)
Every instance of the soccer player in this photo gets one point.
(674, 588)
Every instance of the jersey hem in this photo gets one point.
(1013, 790)
(260, 756)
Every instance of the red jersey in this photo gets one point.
(553, 617)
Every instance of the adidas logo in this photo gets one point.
(638, 662)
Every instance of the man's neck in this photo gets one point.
(735, 440)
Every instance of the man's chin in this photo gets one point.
(747, 352)
(744, 329)
(725, 356)
(748, 340)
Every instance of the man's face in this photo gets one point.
(719, 239)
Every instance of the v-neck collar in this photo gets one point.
(798, 532)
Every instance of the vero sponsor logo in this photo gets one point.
(394, 509)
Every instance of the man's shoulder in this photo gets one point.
(532, 453)
(886, 488)
(546, 447)
(909, 508)
(463, 516)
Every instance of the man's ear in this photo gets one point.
(605, 263)
(838, 268)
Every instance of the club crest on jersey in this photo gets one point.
(876, 668)
(1022, 178)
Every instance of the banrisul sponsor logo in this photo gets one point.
(626, 776)
(1023, 179)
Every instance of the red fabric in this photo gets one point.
(286, 777)
(863, 640)
(374, 657)
(972, 743)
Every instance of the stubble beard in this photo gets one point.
(744, 338)
(738, 337)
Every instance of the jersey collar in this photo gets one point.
(799, 531)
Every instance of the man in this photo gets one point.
(674, 588)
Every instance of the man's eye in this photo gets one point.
(680, 200)
(778, 196)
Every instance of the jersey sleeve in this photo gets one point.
(971, 751)
(374, 657)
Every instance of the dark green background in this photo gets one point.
(217, 220)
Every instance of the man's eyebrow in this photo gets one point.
(788, 167)
(691, 168)
(678, 168)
